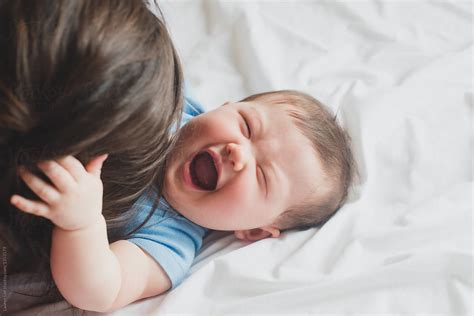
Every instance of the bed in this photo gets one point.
(398, 74)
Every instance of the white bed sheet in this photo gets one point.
(399, 75)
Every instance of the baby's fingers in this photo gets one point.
(73, 166)
(43, 190)
(60, 177)
(28, 206)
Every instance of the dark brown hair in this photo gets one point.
(83, 78)
(331, 142)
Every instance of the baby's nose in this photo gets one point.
(237, 156)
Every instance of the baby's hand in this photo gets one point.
(75, 200)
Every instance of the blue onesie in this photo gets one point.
(171, 239)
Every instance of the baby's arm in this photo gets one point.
(89, 273)
(93, 276)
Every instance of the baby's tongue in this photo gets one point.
(203, 171)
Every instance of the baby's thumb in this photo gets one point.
(95, 165)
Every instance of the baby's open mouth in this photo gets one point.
(203, 171)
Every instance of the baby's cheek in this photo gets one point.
(223, 210)
(238, 207)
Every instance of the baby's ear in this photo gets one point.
(257, 233)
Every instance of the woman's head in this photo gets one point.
(84, 78)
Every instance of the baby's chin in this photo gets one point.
(168, 187)
(178, 206)
(169, 198)
(171, 194)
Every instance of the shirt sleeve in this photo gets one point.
(172, 240)
(191, 107)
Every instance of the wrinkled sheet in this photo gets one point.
(399, 76)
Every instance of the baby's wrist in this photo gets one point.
(92, 225)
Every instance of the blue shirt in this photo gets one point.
(171, 239)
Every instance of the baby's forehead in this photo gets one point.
(277, 98)
(298, 152)
(296, 116)
(291, 105)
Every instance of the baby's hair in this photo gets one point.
(330, 142)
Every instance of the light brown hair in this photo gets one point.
(330, 142)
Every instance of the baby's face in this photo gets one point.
(240, 166)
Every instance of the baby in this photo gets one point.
(272, 162)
